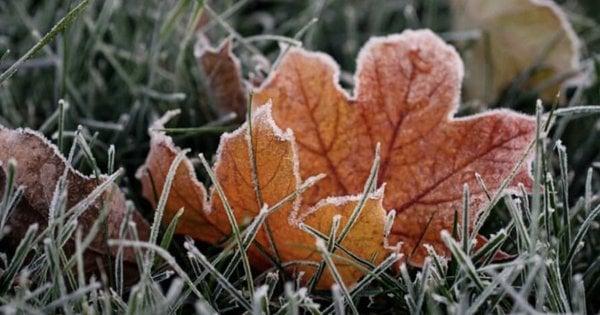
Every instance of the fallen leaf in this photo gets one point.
(276, 179)
(407, 92)
(186, 191)
(516, 36)
(39, 166)
(223, 73)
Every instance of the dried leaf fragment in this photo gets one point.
(273, 178)
(517, 35)
(223, 72)
(407, 91)
(39, 166)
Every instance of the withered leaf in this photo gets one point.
(407, 92)
(186, 192)
(517, 36)
(39, 166)
(223, 74)
(275, 179)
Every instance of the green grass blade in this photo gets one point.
(58, 28)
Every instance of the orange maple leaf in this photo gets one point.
(272, 180)
(407, 92)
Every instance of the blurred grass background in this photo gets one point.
(124, 62)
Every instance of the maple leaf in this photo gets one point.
(272, 180)
(517, 36)
(223, 73)
(407, 92)
(39, 167)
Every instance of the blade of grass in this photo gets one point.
(537, 183)
(583, 229)
(465, 221)
(369, 187)
(215, 273)
(56, 29)
(522, 232)
(462, 258)
(166, 257)
(335, 224)
(321, 247)
(63, 106)
(566, 212)
(338, 300)
(170, 231)
(522, 303)
(375, 274)
(11, 194)
(493, 245)
(232, 222)
(162, 202)
(23, 249)
(510, 273)
(578, 111)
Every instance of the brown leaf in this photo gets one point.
(39, 166)
(276, 178)
(516, 36)
(223, 73)
(407, 92)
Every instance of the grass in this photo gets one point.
(92, 75)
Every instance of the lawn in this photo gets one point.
(221, 208)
